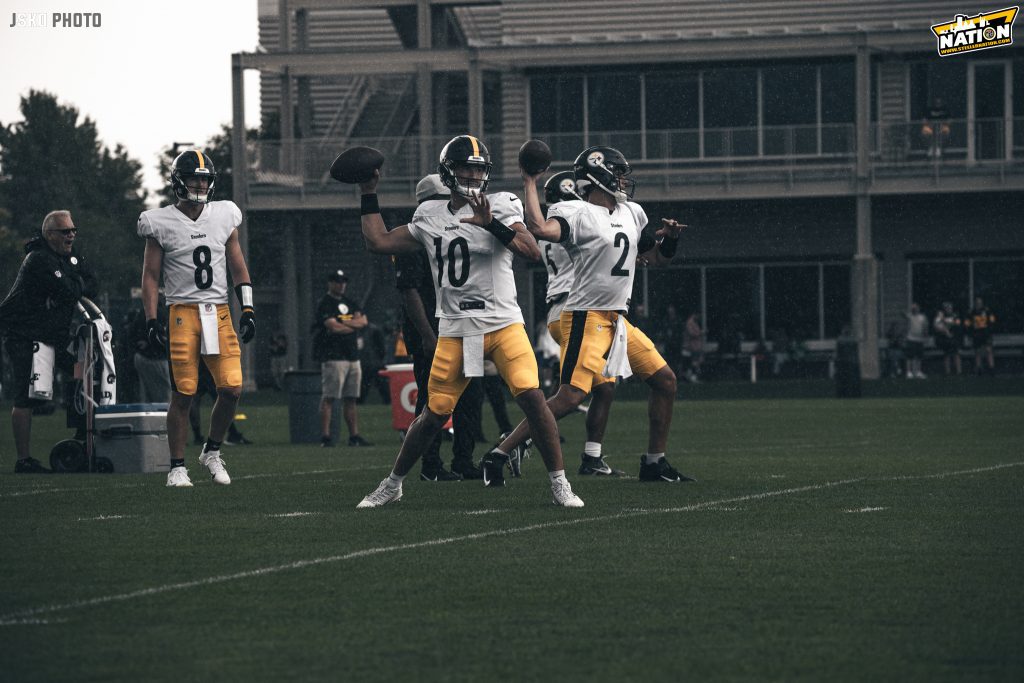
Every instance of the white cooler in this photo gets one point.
(133, 436)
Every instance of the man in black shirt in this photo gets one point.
(338, 320)
(415, 282)
(36, 318)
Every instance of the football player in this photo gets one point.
(470, 240)
(194, 243)
(604, 235)
(561, 274)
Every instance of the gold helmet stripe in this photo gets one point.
(476, 145)
(199, 153)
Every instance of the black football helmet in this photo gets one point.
(464, 150)
(561, 187)
(606, 168)
(193, 163)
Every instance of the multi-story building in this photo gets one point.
(832, 167)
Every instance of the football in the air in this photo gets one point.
(534, 157)
(356, 165)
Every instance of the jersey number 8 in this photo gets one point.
(204, 272)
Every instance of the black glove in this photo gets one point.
(155, 335)
(247, 326)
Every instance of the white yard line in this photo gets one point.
(104, 518)
(20, 616)
(294, 514)
(864, 510)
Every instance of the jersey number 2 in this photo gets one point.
(454, 280)
(617, 269)
(204, 271)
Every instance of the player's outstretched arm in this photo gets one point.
(515, 237)
(540, 227)
(667, 240)
(379, 239)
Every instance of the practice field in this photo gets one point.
(875, 539)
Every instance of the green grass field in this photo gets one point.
(878, 539)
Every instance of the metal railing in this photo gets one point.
(302, 163)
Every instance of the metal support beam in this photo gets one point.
(476, 98)
(425, 95)
(304, 293)
(240, 172)
(423, 27)
(289, 299)
(864, 273)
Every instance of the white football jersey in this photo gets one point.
(195, 270)
(470, 267)
(603, 248)
(560, 269)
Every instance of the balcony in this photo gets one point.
(692, 164)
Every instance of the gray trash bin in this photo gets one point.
(304, 407)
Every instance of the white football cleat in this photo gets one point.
(212, 461)
(178, 477)
(382, 495)
(563, 495)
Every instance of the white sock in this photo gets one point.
(557, 474)
(395, 480)
(651, 458)
(592, 448)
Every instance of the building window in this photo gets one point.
(613, 113)
(998, 282)
(790, 110)
(730, 113)
(733, 303)
(835, 305)
(838, 103)
(791, 301)
(556, 113)
(672, 116)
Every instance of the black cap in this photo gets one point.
(337, 276)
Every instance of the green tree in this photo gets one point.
(53, 159)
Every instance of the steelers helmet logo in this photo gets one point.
(567, 186)
(596, 159)
(343, 309)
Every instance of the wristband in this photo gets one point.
(504, 233)
(368, 204)
(244, 294)
(668, 246)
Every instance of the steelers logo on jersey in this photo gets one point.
(343, 309)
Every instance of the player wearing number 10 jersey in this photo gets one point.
(194, 243)
(470, 240)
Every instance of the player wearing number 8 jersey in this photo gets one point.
(193, 244)
(470, 240)
(604, 236)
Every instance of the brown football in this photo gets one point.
(534, 156)
(356, 165)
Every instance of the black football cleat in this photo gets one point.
(493, 466)
(591, 465)
(467, 469)
(661, 471)
(439, 473)
(30, 466)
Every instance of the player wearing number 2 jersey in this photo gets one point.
(194, 244)
(470, 240)
(604, 235)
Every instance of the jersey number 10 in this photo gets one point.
(454, 280)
